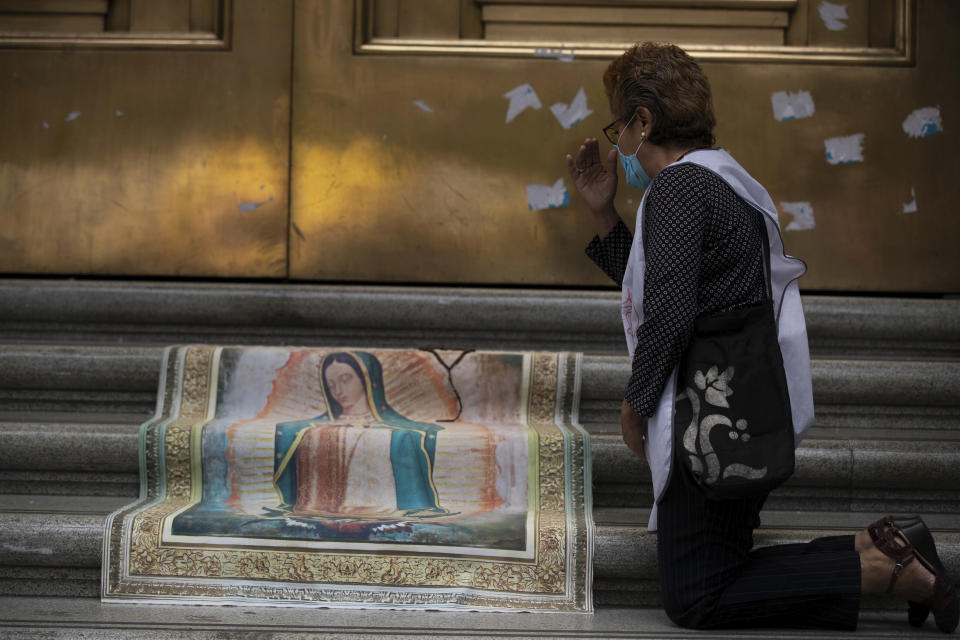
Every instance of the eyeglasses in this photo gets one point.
(611, 133)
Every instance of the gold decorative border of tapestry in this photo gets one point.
(184, 540)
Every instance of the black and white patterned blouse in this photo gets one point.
(703, 252)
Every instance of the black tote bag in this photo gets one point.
(733, 427)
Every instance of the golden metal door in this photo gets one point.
(158, 146)
(406, 169)
(374, 140)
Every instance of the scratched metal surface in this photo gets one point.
(129, 161)
(404, 168)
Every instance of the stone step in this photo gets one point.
(863, 399)
(100, 459)
(35, 618)
(45, 541)
(128, 312)
(69, 446)
(79, 363)
(79, 379)
(840, 382)
(916, 398)
(853, 476)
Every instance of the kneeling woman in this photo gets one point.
(707, 236)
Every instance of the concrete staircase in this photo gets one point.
(79, 363)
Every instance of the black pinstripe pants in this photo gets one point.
(711, 578)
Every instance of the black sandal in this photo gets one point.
(918, 543)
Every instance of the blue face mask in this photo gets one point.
(636, 176)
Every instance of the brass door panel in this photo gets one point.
(406, 171)
(56, 24)
(165, 162)
(861, 31)
(167, 154)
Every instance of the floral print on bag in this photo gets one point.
(713, 388)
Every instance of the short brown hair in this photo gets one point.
(664, 79)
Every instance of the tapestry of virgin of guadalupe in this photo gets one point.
(359, 478)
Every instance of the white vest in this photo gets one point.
(791, 327)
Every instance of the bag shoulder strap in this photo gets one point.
(768, 279)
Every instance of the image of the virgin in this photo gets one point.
(359, 458)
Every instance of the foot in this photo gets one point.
(876, 569)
